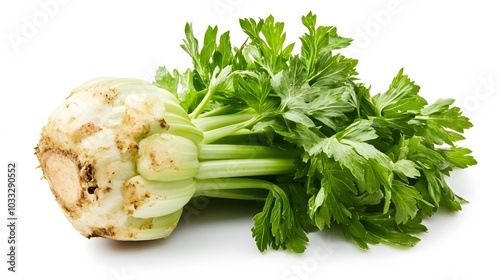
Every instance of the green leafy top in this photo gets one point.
(375, 165)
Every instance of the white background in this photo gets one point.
(450, 48)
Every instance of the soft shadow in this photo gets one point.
(209, 212)
(129, 246)
(205, 210)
